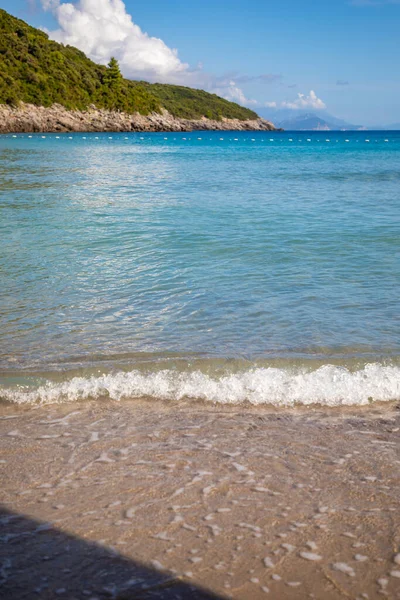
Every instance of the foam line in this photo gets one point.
(328, 385)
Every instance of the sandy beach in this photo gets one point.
(143, 499)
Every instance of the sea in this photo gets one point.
(220, 267)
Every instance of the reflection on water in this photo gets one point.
(223, 248)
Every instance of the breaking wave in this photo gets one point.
(328, 385)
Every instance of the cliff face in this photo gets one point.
(29, 118)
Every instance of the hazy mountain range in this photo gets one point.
(302, 120)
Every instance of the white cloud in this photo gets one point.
(50, 4)
(103, 28)
(227, 88)
(303, 101)
(270, 104)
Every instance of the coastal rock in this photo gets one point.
(28, 118)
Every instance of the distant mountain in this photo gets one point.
(307, 122)
(300, 120)
(316, 122)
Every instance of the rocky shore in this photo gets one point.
(27, 118)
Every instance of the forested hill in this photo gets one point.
(36, 70)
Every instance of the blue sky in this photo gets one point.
(260, 52)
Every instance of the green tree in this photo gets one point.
(37, 70)
(112, 85)
(112, 77)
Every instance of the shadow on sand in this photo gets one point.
(39, 561)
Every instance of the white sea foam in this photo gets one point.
(328, 385)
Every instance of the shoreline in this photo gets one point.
(28, 118)
(244, 502)
(278, 384)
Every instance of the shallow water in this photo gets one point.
(219, 266)
(245, 502)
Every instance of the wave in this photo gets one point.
(328, 385)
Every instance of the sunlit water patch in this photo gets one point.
(236, 246)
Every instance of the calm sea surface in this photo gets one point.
(224, 266)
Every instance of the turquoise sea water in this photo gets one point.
(218, 265)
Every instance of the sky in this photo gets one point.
(342, 56)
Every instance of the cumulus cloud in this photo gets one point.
(303, 101)
(233, 93)
(103, 28)
(227, 86)
(50, 4)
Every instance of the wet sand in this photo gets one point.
(150, 500)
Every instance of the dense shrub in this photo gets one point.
(37, 70)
